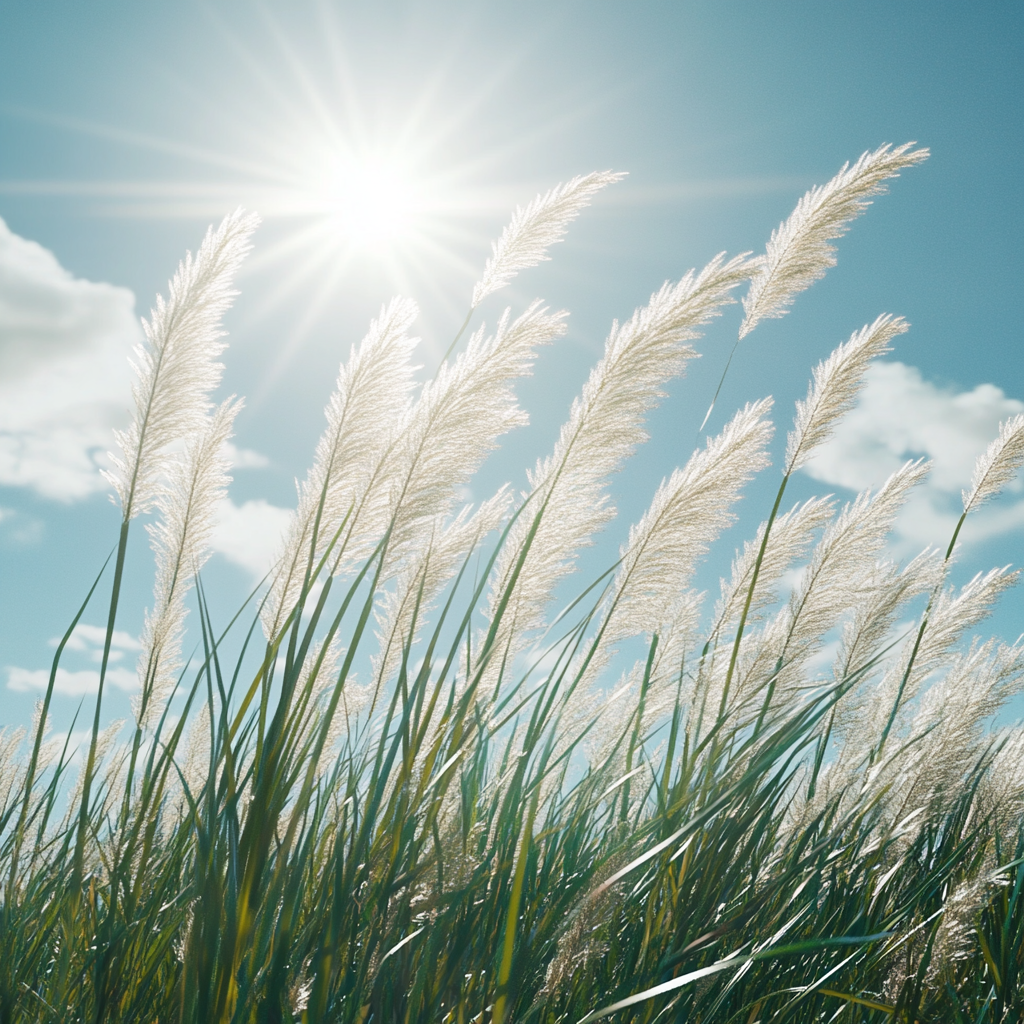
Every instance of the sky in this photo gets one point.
(385, 144)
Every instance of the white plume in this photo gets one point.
(176, 366)
(196, 481)
(404, 608)
(836, 383)
(458, 419)
(998, 464)
(789, 540)
(605, 426)
(798, 253)
(689, 510)
(533, 230)
(344, 484)
(834, 582)
(950, 617)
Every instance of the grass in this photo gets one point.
(736, 839)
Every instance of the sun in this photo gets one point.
(367, 182)
(369, 204)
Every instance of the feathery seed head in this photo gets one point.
(976, 685)
(954, 613)
(798, 253)
(1005, 781)
(177, 366)
(687, 513)
(951, 615)
(533, 230)
(423, 576)
(789, 540)
(12, 768)
(836, 383)
(885, 590)
(834, 581)
(998, 465)
(196, 481)
(348, 482)
(605, 426)
(458, 419)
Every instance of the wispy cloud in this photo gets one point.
(19, 529)
(89, 640)
(71, 684)
(900, 415)
(86, 641)
(245, 458)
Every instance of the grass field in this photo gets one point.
(419, 794)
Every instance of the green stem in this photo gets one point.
(33, 763)
(635, 739)
(917, 647)
(750, 595)
(90, 764)
(956, 533)
(721, 381)
(512, 920)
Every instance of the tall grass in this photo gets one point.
(416, 794)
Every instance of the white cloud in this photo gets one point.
(245, 458)
(72, 684)
(249, 535)
(85, 636)
(901, 416)
(89, 641)
(86, 640)
(64, 374)
(65, 381)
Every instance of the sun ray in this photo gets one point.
(349, 181)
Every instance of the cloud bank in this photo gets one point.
(902, 416)
(64, 374)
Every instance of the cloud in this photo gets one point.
(249, 535)
(85, 636)
(89, 640)
(86, 640)
(245, 458)
(72, 684)
(18, 528)
(64, 374)
(901, 416)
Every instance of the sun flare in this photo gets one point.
(369, 204)
(350, 184)
(373, 205)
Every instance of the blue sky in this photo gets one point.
(125, 129)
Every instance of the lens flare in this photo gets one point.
(371, 205)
